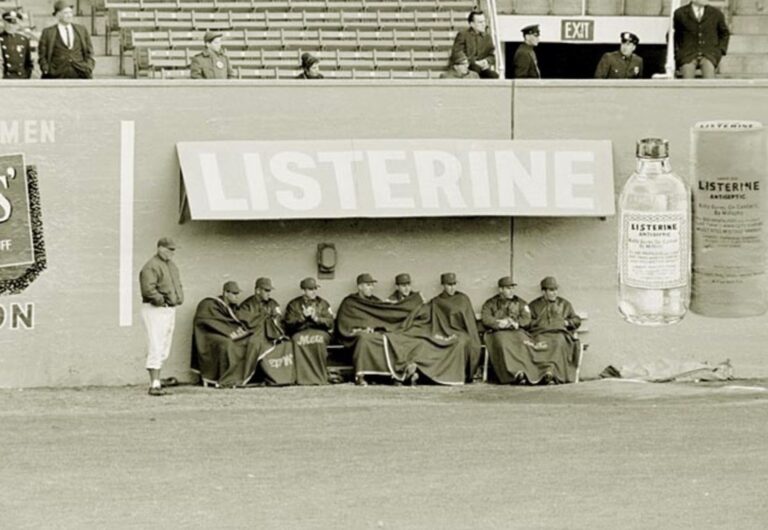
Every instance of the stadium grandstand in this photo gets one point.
(381, 39)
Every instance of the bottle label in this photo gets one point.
(654, 253)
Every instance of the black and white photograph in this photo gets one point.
(384, 264)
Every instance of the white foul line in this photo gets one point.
(127, 135)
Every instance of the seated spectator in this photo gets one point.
(219, 342)
(309, 322)
(701, 38)
(65, 50)
(623, 63)
(553, 323)
(271, 357)
(525, 62)
(15, 49)
(211, 63)
(310, 67)
(476, 43)
(459, 68)
(510, 347)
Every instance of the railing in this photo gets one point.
(492, 10)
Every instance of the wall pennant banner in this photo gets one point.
(22, 253)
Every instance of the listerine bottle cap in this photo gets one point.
(652, 148)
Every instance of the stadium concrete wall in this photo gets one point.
(84, 333)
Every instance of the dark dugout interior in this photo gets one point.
(579, 61)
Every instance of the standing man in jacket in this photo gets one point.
(161, 292)
(701, 38)
(211, 63)
(525, 61)
(477, 45)
(65, 50)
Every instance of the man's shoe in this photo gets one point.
(360, 380)
(157, 391)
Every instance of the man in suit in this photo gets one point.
(211, 63)
(621, 64)
(477, 45)
(65, 50)
(701, 38)
(526, 64)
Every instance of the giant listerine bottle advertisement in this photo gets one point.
(702, 249)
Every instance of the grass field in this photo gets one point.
(602, 454)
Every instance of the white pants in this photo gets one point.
(159, 323)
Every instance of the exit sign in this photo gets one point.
(577, 30)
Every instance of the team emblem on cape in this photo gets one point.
(219, 64)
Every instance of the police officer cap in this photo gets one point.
(506, 281)
(626, 36)
(365, 278)
(210, 35)
(308, 283)
(264, 283)
(549, 283)
(403, 279)
(231, 287)
(11, 16)
(533, 29)
(61, 5)
(448, 278)
(166, 242)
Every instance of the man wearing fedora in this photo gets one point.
(623, 63)
(161, 293)
(525, 60)
(65, 50)
(211, 63)
(15, 49)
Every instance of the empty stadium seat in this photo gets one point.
(604, 7)
(642, 8)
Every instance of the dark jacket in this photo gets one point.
(53, 57)
(707, 37)
(477, 46)
(15, 56)
(211, 65)
(526, 65)
(160, 283)
(614, 65)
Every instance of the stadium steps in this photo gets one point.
(749, 24)
(593, 8)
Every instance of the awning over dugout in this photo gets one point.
(395, 178)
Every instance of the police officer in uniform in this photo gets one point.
(211, 63)
(525, 61)
(621, 64)
(15, 48)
